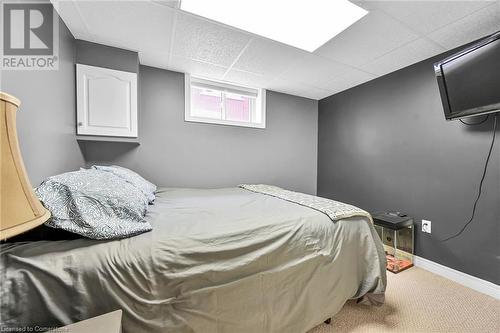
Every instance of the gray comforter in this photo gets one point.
(222, 260)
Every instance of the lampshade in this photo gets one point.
(20, 209)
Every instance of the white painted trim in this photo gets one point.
(260, 103)
(464, 279)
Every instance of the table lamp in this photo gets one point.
(20, 209)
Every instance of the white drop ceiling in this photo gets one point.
(393, 35)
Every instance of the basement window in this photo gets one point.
(216, 102)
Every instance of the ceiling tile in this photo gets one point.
(348, 80)
(154, 59)
(406, 55)
(248, 78)
(318, 93)
(388, 38)
(480, 24)
(314, 70)
(169, 3)
(183, 65)
(300, 89)
(197, 68)
(69, 11)
(369, 5)
(267, 57)
(202, 40)
(133, 25)
(427, 16)
(369, 38)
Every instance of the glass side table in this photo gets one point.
(396, 230)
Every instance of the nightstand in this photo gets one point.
(396, 232)
(107, 323)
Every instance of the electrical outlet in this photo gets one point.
(426, 226)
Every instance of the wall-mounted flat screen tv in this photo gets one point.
(469, 81)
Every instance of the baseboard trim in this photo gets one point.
(464, 279)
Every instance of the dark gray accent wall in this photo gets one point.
(99, 55)
(385, 145)
(185, 154)
(46, 119)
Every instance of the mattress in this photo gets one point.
(217, 260)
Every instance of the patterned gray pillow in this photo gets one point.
(132, 177)
(94, 204)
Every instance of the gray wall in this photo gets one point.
(46, 119)
(385, 145)
(178, 153)
(99, 55)
(172, 152)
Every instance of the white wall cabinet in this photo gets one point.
(106, 102)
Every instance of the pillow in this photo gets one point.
(131, 177)
(94, 204)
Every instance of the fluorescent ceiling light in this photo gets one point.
(305, 24)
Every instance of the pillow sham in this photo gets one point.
(131, 177)
(94, 204)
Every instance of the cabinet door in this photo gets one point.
(106, 102)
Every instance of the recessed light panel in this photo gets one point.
(305, 24)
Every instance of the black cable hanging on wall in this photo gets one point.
(482, 177)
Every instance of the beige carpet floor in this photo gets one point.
(420, 301)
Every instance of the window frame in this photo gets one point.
(225, 87)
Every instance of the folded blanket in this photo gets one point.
(335, 210)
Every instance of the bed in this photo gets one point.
(217, 260)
